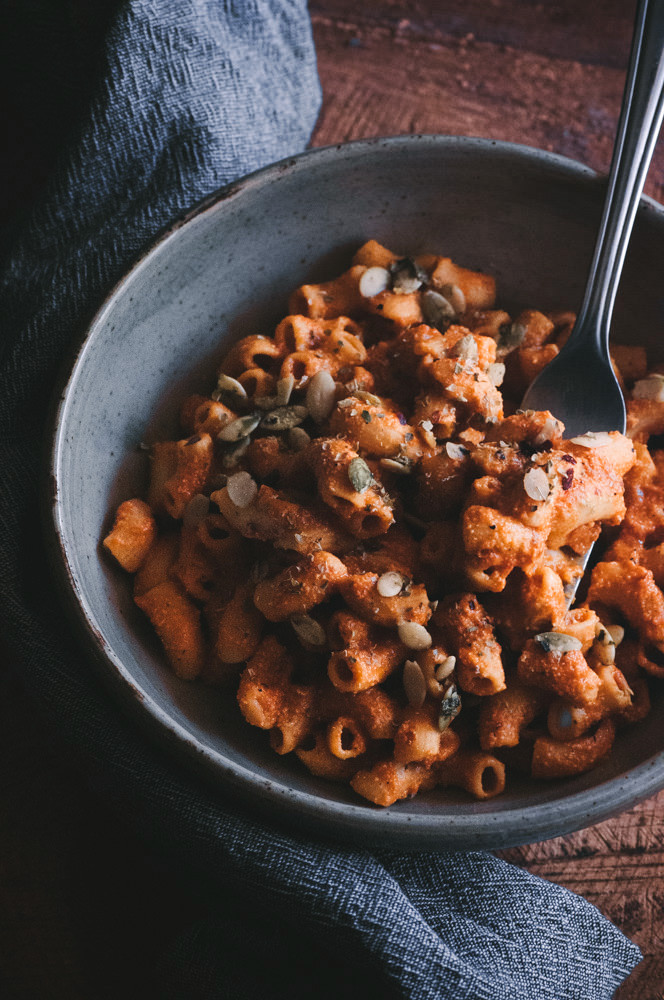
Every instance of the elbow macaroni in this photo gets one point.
(363, 533)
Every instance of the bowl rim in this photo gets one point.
(344, 821)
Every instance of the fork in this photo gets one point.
(579, 386)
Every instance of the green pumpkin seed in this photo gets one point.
(437, 311)
(230, 387)
(283, 418)
(359, 474)
(308, 630)
(234, 454)
(558, 643)
(240, 428)
(455, 297)
(512, 336)
(450, 707)
(406, 276)
(414, 683)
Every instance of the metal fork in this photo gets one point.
(579, 386)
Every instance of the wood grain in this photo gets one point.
(383, 75)
(585, 32)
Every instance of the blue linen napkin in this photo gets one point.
(189, 95)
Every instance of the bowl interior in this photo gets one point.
(526, 217)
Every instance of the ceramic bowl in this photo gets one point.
(225, 270)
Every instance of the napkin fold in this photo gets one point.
(188, 96)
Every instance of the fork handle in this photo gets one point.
(638, 128)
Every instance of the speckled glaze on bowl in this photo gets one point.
(224, 271)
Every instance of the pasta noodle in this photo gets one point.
(360, 530)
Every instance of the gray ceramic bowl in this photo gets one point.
(525, 216)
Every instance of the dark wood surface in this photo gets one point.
(84, 908)
(548, 75)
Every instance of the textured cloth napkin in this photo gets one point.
(189, 95)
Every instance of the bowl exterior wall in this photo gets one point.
(526, 217)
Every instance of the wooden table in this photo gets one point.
(548, 75)
(77, 892)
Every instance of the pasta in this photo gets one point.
(361, 532)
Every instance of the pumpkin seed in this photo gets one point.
(368, 397)
(374, 281)
(265, 402)
(284, 418)
(359, 474)
(414, 683)
(308, 630)
(406, 276)
(320, 396)
(536, 484)
(465, 348)
(601, 634)
(446, 668)
(550, 428)
(402, 468)
(558, 643)
(414, 636)
(455, 297)
(450, 707)
(240, 428)
(285, 387)
(242, 489)
(298, 439)
(437, 311)
(227, 386)
(607, 653)
(390, 584)
(196, 510)
(512, 336)
(496, 373)
(650, 387)
(456, 452)
(592, 439)
(617, 633)
(234, 454)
